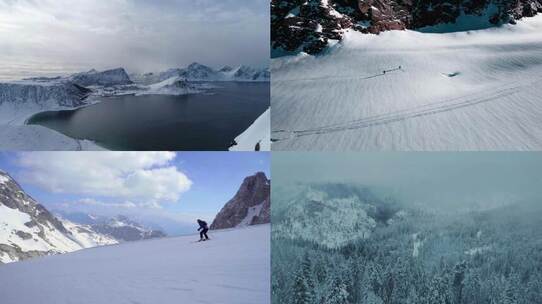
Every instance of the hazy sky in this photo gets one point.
(444, 181)
(57, 36)
(156, 186)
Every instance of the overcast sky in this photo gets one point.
(440, 181)
(55, 36)
(166, 188)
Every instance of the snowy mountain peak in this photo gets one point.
(199, 72)
(225, 68)
(111, 77)
(120, 228)
(251, 204)
(28, 229)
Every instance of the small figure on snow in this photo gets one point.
(203, 227)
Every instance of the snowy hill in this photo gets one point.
(234, 267)
(251, 204)
(405, 90)
(28, 230)
(331, 215)
(311, 26)
(175, 85)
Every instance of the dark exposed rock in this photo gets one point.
(252, 198)
(23, 235)
(299, 25)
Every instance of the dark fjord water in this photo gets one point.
(208, 121)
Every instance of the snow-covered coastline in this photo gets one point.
(21, 99)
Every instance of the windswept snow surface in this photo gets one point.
(234, 267)
(476, 90)
(258, 132)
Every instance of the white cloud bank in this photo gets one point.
(48, 37)
(142, 178)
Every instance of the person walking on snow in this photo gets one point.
(203, 227)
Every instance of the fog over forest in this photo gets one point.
(438, 181)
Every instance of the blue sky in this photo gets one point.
(51, 37)
(190, 184)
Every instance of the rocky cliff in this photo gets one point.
(251, 204)
(309, 26)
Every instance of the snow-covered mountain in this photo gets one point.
(251, 204)
(257, 137)
(332, 215)
(120, 227)
(112, 77)
(43, 93)
(175, 85)
(234, 267)
(310, 26)
(123, 229)
(200, 72)
(27, 229)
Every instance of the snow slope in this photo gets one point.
(86, 236)
(234, 267)
(174, 85)
(258, 132)
(474, 90)
(27, 229)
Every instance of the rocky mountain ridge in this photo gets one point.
(199, 72)
(28, 229)
(123, 229)
(251, 205)
(310, 26)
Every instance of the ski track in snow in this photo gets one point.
(473, 90)
(234, 267)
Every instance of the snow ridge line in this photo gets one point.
(424, 110)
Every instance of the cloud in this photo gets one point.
(46, 36)
(93, 202)
(148, 178)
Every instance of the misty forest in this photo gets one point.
(337, 243)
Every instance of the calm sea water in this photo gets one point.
(194, 122)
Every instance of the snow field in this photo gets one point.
(405, 90)
(234, 267)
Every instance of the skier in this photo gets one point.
(203, 227)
